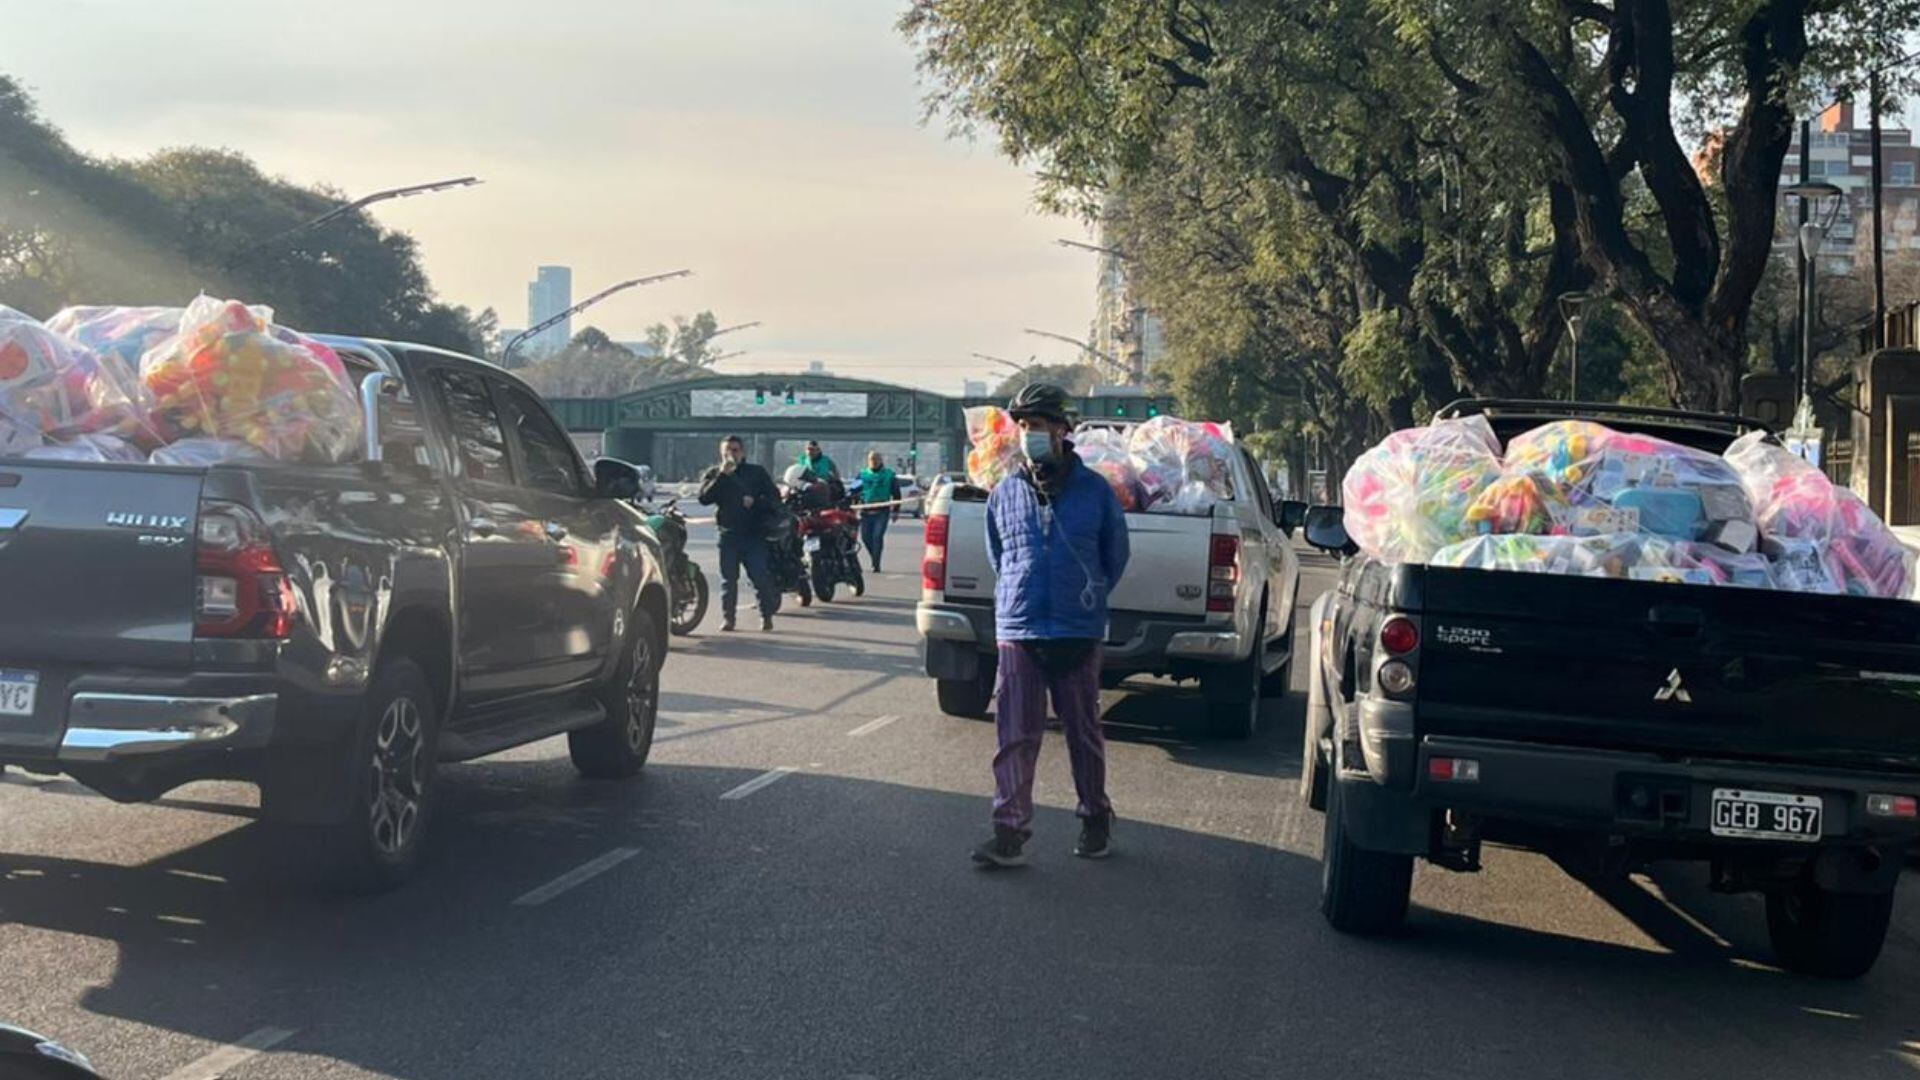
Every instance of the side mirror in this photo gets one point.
(1290, 515)
(615, 479)
(1327, 530)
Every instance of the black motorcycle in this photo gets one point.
(686, 582)
(786, 560)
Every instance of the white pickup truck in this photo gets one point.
(1206, 596)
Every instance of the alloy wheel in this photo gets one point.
(397, 779)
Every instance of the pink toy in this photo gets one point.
(1408, 497)
(55, 388)
(1796, 505)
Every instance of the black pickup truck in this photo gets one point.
(1612, 724)
(331, 632)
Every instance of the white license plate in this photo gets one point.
(1765, 815)
(812, 545)
(18, 689)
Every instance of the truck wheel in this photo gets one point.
(377, 846)
(968, 698)
(618, 745)
(1278, 683)
(1829, 934)
(1233, 710)
(1361, 891)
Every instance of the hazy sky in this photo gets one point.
(773, 146)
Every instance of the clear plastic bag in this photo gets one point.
(1104, 450)
(1626, 556)
(198, 453)
(993, 439)
(1595, 480)
(231, 374)
(54, 388)
(127, 333)
(1170, 455)
(1794, 501)
(1408, 497)
(109, 449)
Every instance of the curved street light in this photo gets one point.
(514, 343)
(1822, 201)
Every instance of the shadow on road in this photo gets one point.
(830, 927)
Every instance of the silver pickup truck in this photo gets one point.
(1206, 596)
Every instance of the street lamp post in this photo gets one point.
(360, 203)
(506, 353)
(1018, 368)
(1110, 361)
(1570, 305)
(1819, 206)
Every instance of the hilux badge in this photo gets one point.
(1674, 690)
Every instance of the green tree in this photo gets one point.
(687, 341)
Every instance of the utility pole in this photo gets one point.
(1879, 243)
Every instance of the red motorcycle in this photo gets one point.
(829, 533)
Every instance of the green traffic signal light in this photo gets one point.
(1119, 410)
(789, 395)
(759, 395)
(1153, 411)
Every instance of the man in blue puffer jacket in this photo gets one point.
(1057, 539)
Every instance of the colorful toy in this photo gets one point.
(1169, 454)
(1616, 555)
(229, 374)
(1409, 496)
(51, 387)
(1104, 450)
(1523, 502)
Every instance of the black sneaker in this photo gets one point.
(1003, 850)
(1096, 837)
(727, 623)
(766, 623)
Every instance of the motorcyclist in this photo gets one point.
(744, 501)
(817, 462)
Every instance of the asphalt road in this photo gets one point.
(827, 923)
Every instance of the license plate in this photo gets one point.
(812, 545)
(1765, 815)
(18, 689)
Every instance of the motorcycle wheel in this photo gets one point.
(823, 585)
(858, 578)
(690, 609)
(806, 591)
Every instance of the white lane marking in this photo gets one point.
(584, 872)
(872, 726)
(229, 1057)
(759, 782)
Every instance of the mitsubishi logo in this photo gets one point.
(1675, 690)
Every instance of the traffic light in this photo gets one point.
(1152, 410)
(789, 395)
(1120, 408)
(759, 395)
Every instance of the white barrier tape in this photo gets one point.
(855, 506)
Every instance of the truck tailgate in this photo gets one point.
(1743, 673)
(1166, 573)
(97, 564)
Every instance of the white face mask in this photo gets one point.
(1037, 445)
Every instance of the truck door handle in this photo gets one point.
(1676, 621)
(556, 531)
(481, 526)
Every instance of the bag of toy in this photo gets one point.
(1794, 501)
(126, 333)
(1170, 454)
(1104, 450)
(231, 374)
(1603, 481)
(993, 452)
(1408, 497)
(109, 449)
(55, 388)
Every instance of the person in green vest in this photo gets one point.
(878, 484)
(818, 462)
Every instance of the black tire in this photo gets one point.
(806, 592)
(1235, 714)
(377, 846)
(687, 616)
(967, 698)
(1361, 891)
(618, 745)
(1278, 683)
(1828, 934)
(859, 579)
(823, 586)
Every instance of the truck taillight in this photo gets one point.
(241, 590)
(933, 564)
(1399, 636)
(1223, 572)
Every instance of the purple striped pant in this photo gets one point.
(1020, 717)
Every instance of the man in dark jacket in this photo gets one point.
(1057, 539)
(744, 501)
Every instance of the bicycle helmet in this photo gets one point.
(1040, 399)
